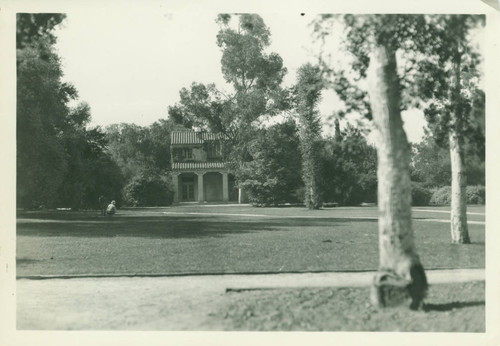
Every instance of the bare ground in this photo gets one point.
(236, 302)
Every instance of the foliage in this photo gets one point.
(32, 27)
(402, 33)
(441, 196)
(127, 146)
(143, 157)
(420, 195)
(136, 149)
(203, 107)
(91, 171)
(309, 85)
(149, 190)
(41, 110)
(476, 194)
(431, 163)
(375, 40)
(349, 168)
(273, 177)
(255, 77)
(64, 164)
(447, 78)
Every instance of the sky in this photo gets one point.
(129, 65)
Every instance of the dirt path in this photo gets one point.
(165, 303)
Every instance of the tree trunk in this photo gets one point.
(310, 172)
(401, 276)
(459, 231)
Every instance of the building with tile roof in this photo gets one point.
(199, 172)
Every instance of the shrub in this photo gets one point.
(476, 194)
(441, 196)
(270, 193)
(148, 191)
(420, 195)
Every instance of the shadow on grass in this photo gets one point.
(173, 226)
(26, 261)
(451, 306)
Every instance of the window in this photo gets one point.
(187, 153)
(214, 150)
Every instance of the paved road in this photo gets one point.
(165, 303)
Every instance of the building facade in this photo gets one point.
(199, 172)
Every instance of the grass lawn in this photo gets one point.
(449, 308)
(230, 239)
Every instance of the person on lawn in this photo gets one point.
(111, 210)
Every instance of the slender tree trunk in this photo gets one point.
(401, 276)
(459, 231)
(310, 172)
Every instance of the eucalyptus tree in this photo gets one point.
(308, 89)
(255, 77)
(447, 79)
(374, 41)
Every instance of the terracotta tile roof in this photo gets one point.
(197, 165)
(192, 137)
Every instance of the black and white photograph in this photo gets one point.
(227, 167)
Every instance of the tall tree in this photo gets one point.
(309, 85)
(448, 79)
(88, 163)
(374, 40)
(273, 176)
(42, 109)
(60, 161)
(255, 77)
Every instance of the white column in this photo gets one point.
(175, 183)
(225, 188)
(201, 197)
(240, 196)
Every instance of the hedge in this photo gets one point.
(476, 194)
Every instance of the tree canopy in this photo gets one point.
(60, 161)
(31, 27)
(255, 77)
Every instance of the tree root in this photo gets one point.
(390, 289)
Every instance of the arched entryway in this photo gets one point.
(212, 182)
